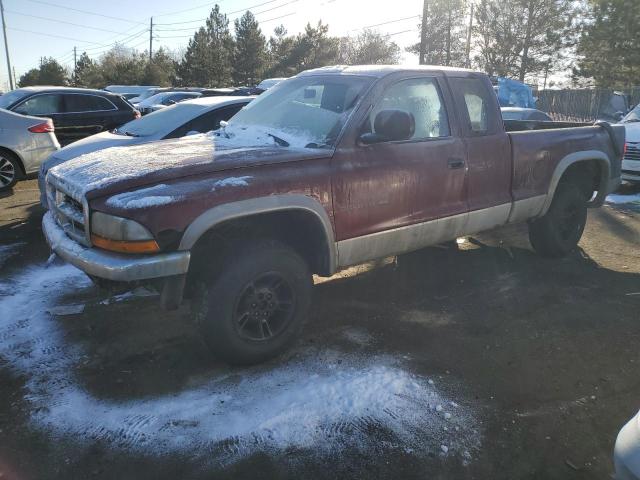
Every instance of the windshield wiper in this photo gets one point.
(279, 141)
(632, 120)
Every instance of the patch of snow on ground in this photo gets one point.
(623, 199)
(322, 400)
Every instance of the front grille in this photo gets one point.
(69, 213)
(633, 152)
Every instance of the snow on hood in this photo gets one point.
(163, 194)
(164, 160)
(231, 135)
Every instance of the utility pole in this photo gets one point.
(423, 32)
(75, 59)
(468, 52)
(448, 60)
(15, 82)
(6, 45)
(151, 39)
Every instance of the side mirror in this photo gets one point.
(389, 126)
(618, 115)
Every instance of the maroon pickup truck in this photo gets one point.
(331, 168)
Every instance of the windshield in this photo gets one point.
(153, 100)
(512, 115)
(313, 108)
(632, 116)
(12, 97)
(163, 120)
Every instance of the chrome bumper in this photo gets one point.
(112, 266)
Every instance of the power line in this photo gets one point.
(51, 35)
(50, 4)
(189, 9)
(386, 23)
(62, 21)
(225, 13)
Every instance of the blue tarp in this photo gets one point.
(512, 93)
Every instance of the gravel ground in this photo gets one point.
(481, 361)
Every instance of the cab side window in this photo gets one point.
(40, 105)
(479, 105)
(421, 98)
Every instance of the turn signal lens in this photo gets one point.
(121, 246)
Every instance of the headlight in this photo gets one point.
(121, 235)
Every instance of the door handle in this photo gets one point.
(455, 163)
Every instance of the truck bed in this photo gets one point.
(539, 147)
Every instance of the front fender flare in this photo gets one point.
(272, 203)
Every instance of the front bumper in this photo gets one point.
(626, 454)
(109, 265)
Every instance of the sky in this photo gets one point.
(51, 28)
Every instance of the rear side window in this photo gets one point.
(421, 98)
(41, 105)
(86, 103)
(479, 104)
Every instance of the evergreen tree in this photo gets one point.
(445, 33)
(122, 65)
(50, 72)
(250, 55)
(207, 61)
(87, 73)
(609, 44)
(518, 38)
(279, 49)
(311, 49)
(369, 48)
(161, 70)
(194, 67)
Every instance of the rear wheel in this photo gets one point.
(9, 171)
(256, 304)
(558, 232)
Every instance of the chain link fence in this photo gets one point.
(587, 105)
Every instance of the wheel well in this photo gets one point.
(587, 174)
(17, 157)
(298, 229)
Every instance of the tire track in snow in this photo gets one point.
(322, 401)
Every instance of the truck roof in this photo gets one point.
(380, 71)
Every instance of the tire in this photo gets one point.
(558, 232)
(255, 305)
(9, 171)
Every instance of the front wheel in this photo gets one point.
(558, 232)
(256, 305)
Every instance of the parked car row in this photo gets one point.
(36, 121)
(187, 118)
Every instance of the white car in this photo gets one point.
(25, 142)
(163, 100)
(185, 118)
(267, 83)
(631, 160)
(626, 453)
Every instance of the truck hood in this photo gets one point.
(119, 169)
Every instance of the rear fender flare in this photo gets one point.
(254, 206)
(572, 158)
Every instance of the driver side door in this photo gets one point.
(388, 196)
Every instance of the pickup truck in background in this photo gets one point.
(331, 168)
